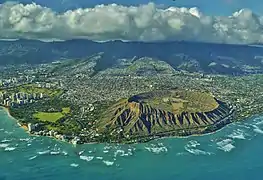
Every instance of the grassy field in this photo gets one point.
(51, 116)
(66, 110)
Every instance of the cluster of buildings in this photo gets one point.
(19, 98)
(15, 81)
(35, 129)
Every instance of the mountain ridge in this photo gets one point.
(135, 118)
(181, 55)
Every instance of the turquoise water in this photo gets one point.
(232, 153)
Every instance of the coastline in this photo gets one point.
(7, 111)
(142, 140)
(24, 127)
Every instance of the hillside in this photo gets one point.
(189, 56)
(163, 113)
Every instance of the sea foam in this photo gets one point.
(238, 134)
(74, 165)
(87, 158)
(43, 152)
(4, 145)
(191, 148)
(226, 145)
(108, 163)
(197, 151)
(257, 129)
(33, 157)
(10, 148)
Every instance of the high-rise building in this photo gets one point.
(30, 127)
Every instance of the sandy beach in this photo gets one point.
(6, 109)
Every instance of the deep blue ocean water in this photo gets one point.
(235, 152)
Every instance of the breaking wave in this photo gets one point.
(156, 150)
(108, 163)
(10, 148)
(33, 157)
(226, 145)
(191, 148)
(86, 158)
(4, 145)
(74, 165)
(238, 134)
(257, 129)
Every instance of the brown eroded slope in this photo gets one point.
(163, 113)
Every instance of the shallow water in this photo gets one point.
(232, 153)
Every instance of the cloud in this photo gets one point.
(138, 23)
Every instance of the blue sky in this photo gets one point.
(210, 7)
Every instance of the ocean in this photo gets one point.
(231, 153)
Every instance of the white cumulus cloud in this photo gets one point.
(137, 23)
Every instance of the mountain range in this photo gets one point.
(181, 55)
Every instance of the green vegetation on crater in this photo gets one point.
(182, 101)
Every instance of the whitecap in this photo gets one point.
(156, 150)
(54, 152)
(108, 163)
(226, 145)
(10, 148)
(64, 153)
(86, 158)
(259, 123)
(29, 144)
(258, 120)
(100, 158)
(5, 141)
(4, 145)
(81, 152)
(74, 165)
(107, 147)
(257, 129)
(33, 157)
(24, 139)
(193, 143)
(105, 151)
(121, 152)
(238, 134)
(43, 152)
(197, 151)
(244, 126)
(130, 150)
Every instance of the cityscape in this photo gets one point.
(85, 91)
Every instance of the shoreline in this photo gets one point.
(24, 127)
(7, 110)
